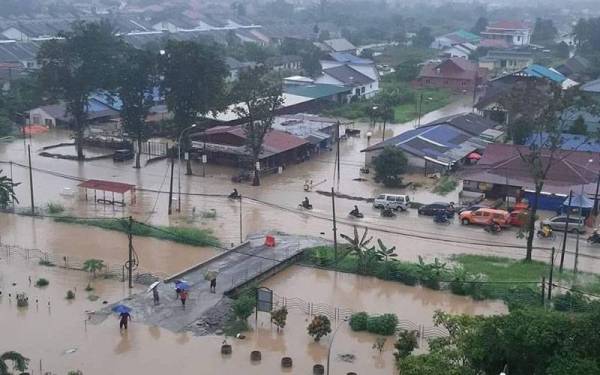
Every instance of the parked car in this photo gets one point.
(393, 201)
(559, 223)
(123, 155)
(433, 208)
(472, 207)
(485, 216)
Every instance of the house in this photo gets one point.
(339, 45)
(505, 61)
(321, 93)
(227, 145)
(23, 53)
(576, 68)
(516, 33)
(592, 87)
(454, 73)
(463, 50)
(8, 72)
(540, 71)
(285, 62)
(235, 67)
(55, 115)
(441, 145)
(501, 172)
(494, 44)
(318, 131)
(362, 85)
(454, 38)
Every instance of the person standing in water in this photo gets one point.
(213, 285)
(155, 296)
(125, 318)
(183, 295)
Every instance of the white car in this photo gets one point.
(393, 201)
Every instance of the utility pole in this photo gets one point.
(30, 180)
(171, 186)
(596, 196)
(420, 106)
(564, 244)
(241, 229)
(337, 156)
(335, 246)
(11, 179)
(551, 274)
(543, 289)
(130, 261)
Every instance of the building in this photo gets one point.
(362, 85)
(55, 115)
(576, 68)
(501, 172)
(227, 145)
(319, 92)
(441, 145)
(285, 63)
(23, 53)
(318, 131)
(338, 45)
(454, 73)
(463, 50)
(516, 33)
(454, 38)
(506, 61)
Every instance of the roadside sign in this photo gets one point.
(264, 299)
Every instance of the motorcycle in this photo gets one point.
(358, 215)
(594, 238)
(234, 196)
(441, 218)
(493, 228)
(306, 206)
(388, 212)
(548, 233)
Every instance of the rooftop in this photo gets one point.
(339, 45)
(508, 25)
(316, 90)
(348, 76)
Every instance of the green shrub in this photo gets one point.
(41, 282)
(384, 325)
(55, 208)
(358, 321)
(233, 326)
(243, 306)
(445, 185)
(70, 294)
(405, 345)
(47, 263)
(575, 302)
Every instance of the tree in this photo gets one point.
(544, 31)
(137, 79)
(319, 327)
(76, 66)
(579, 126)
(408, 70)
(480, 25)
(562, 50)
(405, 344)
(92, 266)
(390, 165)
(243, 306)
(7, 190)
(423, 38)
(279, 317)
(311, 63)
(258, 100)
(193, 84)
(20, 363)
(359, 247)
(537, 114)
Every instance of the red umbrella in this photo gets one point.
(473, 156)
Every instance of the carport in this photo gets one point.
(112, 188)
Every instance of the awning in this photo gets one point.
(579, 201)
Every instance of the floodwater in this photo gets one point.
(272, 206)
(57, 338)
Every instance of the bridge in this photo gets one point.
(246, 264)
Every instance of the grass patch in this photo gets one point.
(188, 236)
(233, 326)
(432, 100)
(55, 208)
(445, 185)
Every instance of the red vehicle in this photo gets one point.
(518, 218)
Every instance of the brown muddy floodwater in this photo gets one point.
(50, 333)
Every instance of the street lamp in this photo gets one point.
(179, 165)
(331, 343)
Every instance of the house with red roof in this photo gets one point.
(515, 33)
(227, 145)
(453, 73)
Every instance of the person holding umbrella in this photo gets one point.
(124, 315)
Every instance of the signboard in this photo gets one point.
(264, 299)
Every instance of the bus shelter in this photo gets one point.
(103, 187)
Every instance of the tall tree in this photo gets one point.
(258, 99)
(480, 25)
(544, 31)
(77, 65)
(193, 83)
(423, 38)
(137, 79)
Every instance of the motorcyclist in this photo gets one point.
(546, 231)
(494, 226)
(306, 203)
(355, 211)
(595, 237)
(234, 194)
(387, 211)
(441, 216)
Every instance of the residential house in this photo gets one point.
(494, 44)
(285, 63)
(339, 45)
(320, 93)
(505, 61)
(454, 73)
(592, 87)
(454, 38)
(463, 50)
(576, 68)
(516, 33)
(23, 53)
(318, 131)
(55, 115)
(362, 85)
(227, 145)
(501, 172)
(364, 66)
(441, 145)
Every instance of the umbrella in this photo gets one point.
(183, 285)
(120, 309)
(152, 286)
(211, 275)
(474, 156)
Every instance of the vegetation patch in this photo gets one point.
(445, 185)
(384, 325)
(185, 235)
(55, 208)
(41, 282)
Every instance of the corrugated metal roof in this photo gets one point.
(317, 90)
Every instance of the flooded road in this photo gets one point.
(272, 206)
(58, 336)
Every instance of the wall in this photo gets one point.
(440, 82)
(39, 117)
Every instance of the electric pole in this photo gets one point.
(564, 244)
(30, 180)
(171, 186)
(335, 246)
(130, 261)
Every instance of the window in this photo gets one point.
(478, 213)
(362, 90)
(30, 64)
(381, 196)
(391, 199)
(559, 220)
(48, 122)
(371, 86)
(37, 119)
(357, 91)
(427, 81)
(574, 220)
(464, 83)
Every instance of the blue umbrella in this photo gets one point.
(120, 309)
(183, 285)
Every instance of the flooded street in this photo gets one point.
(63, 341)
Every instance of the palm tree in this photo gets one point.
(20, 363)
(92, 266)
(7, 190)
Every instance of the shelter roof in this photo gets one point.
(111, 186)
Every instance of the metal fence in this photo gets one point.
(69, 262)
(153, 148)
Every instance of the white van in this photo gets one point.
(393, 201)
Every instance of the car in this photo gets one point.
(123, 155)
(472, 207)
(433, 208)
(485, 216)
(559, 223)
(518, 217)
(393, 201)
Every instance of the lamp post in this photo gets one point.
(179, 165)
(331, 343)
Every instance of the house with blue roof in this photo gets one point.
(441, 145)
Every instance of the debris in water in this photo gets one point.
(70, 351)
(347, 357)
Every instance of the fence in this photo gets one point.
(153, 148)
(70, 262)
